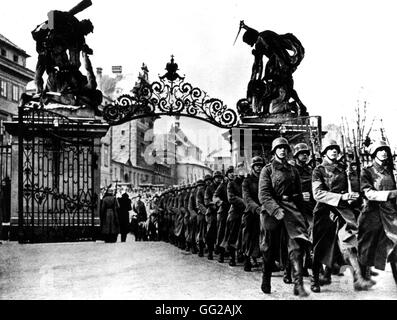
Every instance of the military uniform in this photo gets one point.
(191, 239)
(224, 206)
(201, 222)
(233, 222)
(250, 220)
(335, 222)
(210, 218)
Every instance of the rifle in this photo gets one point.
(313, 160)
(356, 161)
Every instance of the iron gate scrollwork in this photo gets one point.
(170, 96)
(57, 201)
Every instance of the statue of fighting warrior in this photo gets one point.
(265, 83)
(60, 40)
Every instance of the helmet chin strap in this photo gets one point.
(332, 160)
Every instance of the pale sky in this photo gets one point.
(350, 46)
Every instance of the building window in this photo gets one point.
(122, 147)
(3, 88)
(122, 132)
(15, 58)
(3, 52)
(15, 93)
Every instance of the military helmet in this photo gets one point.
(301, 147)
(257, 161)
(280, 142)
(218, 174)
(374, 147)
(329, 144)
(240, 164)
(207, 177)
(200, 182)
(230, 170)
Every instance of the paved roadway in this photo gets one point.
(147, 270)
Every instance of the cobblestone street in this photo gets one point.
(146, 270)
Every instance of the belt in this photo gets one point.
(287, 198)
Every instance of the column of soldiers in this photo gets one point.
(295, 217)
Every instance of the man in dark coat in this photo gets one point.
(140, 210)
(233, 222)
(171, 215)
(335, 222)
(124, 217)
(211, 212)
(250, 219)
(201, 210)
(283, 225)
(220, 197)
(109, 213)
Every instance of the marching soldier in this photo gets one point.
(186, 220)
(171, 215)
(201, 210)
(192, 207)
(250, 218)
(301, 155)
(334, 220)
(179, 224)
(377, 224)
(212, 209)
(233, 222)
(220, 197)
(282, 223)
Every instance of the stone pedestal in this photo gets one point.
(56, 175)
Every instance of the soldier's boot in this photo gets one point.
(266, 277)
(232, 261)
(210, 252)
(325, 278)
(359, 284)
(315, 280)
(394, 270)
(194, 248)
(201, 249)
(297, 266)
(287, 273)
(373, 273)
(217, 249)
(366, 273)
(255, 263)
(221, 258)
(247, 264)
(240, 257)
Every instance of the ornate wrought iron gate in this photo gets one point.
(56, 198)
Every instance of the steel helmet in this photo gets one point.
(200, 182)
(230, 170)
(257, 161)
(207, 177)
(373, 148)
(328, 144)
(301, 147)
(280, 142)
(240, 164)
(218, 174)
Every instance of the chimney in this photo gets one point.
(117, 71)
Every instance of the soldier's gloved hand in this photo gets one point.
(279, 215)
(306, 196)
(350, 196)
(392, 194)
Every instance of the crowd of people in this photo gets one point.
(296, 217)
